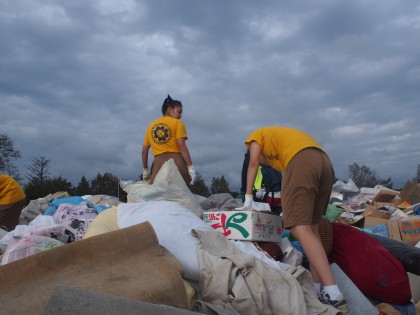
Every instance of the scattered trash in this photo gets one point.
(185, 223)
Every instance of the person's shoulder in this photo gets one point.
(156, 121)
(181, 122)
(255, 136)
(175, 122)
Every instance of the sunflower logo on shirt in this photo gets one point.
(161, 133)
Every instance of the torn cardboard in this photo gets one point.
(386, 196)
(401, 229)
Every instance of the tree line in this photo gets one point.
(40, 183)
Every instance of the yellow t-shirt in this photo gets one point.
(10, 190)
(162, 135)
(280, 144)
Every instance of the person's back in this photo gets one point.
(167, 137)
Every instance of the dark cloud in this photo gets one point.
(81, 80)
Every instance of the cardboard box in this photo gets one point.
(385, 196)
(379, 204)
(58, 195)
(418, 308)
(356, 221)
(246, 225)
(409, 228)
(374, 216)
(392, 225)
(405, 229)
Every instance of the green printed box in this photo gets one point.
(246, 225)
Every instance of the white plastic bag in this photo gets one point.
(172, 224)
(342, 187)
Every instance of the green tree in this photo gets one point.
(417, 178)
(8, 155)
(219, 185)
(200, 187)
(36, 188)
(40, 184)
(83, 188)
(107, 184)
(363, 176)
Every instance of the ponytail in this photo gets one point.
(169, 102)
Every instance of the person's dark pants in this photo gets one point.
(9, 215)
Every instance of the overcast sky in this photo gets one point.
(81, 80)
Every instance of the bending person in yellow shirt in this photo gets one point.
(167, 137)
(12, 201)
(308, 177)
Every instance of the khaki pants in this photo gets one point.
(306, 188)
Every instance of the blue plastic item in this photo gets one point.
(380, 229)
(52, 208)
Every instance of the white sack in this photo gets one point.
(168, 185)
(173, 224)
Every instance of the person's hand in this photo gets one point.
(193, 174)
(248, 203)
(146, 174)
(260, 193)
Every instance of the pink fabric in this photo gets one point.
(372, 268)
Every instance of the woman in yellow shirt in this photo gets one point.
(167, 137)
(305, 192)
(12, 200)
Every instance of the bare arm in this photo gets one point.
(184, 151)
(254, 159)
(145, 155)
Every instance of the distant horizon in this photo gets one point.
(208, 181)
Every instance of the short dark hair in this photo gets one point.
(169, 102)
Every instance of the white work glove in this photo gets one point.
(193, 174)
(260, 193)
(146, 174)
(248, 203)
